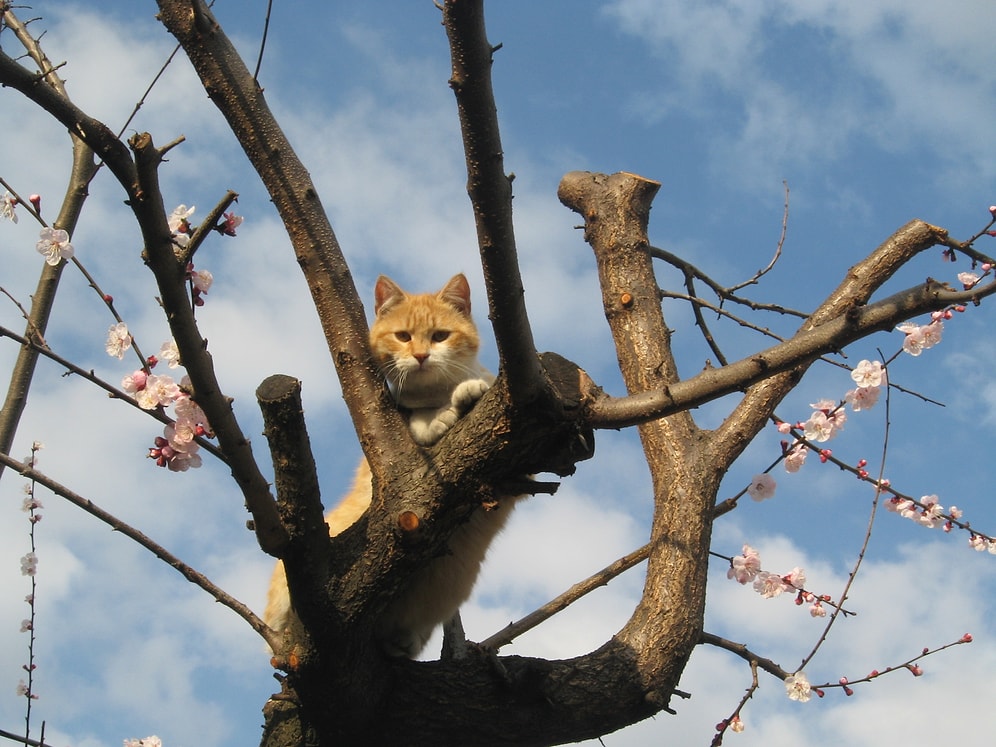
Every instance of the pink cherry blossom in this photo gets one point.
(202, 280)
(118, 340)
(54, 244)
(745, 567)
(29, 564)
(868, 373)
(761, 487)
(795, 458)
(134, 382)
(769, 585)
(825, 422)
(968, 279)
(158, 391)
(919, 338)
(7, 204)
(797, 578)
(231, 222)
(169, 353)
(797, 687)
(863, 398)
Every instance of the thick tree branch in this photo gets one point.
(490, 193)
(666, 624)
(231, 87)
(803, 348)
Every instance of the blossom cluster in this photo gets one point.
(826, 421)
(177, 448)
(746, 568)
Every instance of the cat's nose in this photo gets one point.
(420, 357)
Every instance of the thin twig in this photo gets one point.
(778, 249)
(113, 391)
(864, 545)
(578, 590)
(262, 41)
(193, 576)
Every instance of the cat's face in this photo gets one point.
(425, 344)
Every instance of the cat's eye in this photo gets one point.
(403, 336)
(439, 335)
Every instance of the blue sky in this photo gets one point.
(873, 113)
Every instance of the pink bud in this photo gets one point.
(848, 691)
(915, 669)
(843, 680)
(862, 462)
(967, 638)
(992, 210)
(36, 201)
(818, 692)
(108, 299)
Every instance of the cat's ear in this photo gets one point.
(457, 293)
(386, 294)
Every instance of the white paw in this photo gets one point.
(468, 392)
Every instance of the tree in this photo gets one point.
(542, 417)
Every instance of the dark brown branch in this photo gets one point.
(207, 225)
(490, 193)
(231, 87)
(170, 274)
(746, 654)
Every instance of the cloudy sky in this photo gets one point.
(872, 113)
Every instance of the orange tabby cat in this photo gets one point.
(426, 346)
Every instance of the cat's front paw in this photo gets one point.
(468, 392)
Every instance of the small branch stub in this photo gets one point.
(408, 521)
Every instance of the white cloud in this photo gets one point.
(782, 64)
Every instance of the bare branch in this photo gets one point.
(746, 654)
(514, 630)
(778, 248)
(490, 193)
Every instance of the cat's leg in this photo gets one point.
(427, 430)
